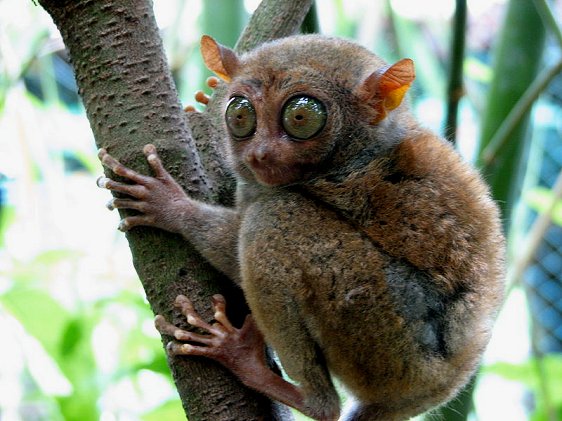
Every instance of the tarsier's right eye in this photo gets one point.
(240, 117)
(303, 117)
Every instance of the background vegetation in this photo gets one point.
(77, 335)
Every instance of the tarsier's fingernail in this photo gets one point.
(148, 149)
(106, 159)
(181, 299)
(109, 205)
(189, 109)
(123, 226)
(159, 322)
(102, 182)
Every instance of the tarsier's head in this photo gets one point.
(291, 103)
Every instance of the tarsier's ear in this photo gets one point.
(219, 59)
(386, 87)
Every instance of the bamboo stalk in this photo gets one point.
(545, 11)
(455, 89)
(517, 61)
(517, 113)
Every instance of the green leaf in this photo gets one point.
(7, 217)
(38, 268)
(517, 61)
(71, 337)
(539, 376)
(477, 70)
(40, 315)
(170, 410)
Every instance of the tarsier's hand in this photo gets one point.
(201, 97)
(160, 200)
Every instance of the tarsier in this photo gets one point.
(367, 250)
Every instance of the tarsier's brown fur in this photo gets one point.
(370, 252)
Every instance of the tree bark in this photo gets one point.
(130, 100)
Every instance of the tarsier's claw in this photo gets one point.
(149, 149)
(102, 182)
(123, 226)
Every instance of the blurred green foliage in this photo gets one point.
(532, 374)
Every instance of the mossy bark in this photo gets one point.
(131, 100)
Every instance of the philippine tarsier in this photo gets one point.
(366, 248)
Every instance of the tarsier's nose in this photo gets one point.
(258, 155)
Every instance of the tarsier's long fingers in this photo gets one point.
(219, 304)
(201, 97)
(135, 221)
(134, 190)
(209, 345)
(166, 328)
(193, 318)
(114, 165)
(212, 82)
(155, 162)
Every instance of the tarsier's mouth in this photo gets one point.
(274, 175)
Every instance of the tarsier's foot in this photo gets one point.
(239, 350)
(242, 351)
(201, 97)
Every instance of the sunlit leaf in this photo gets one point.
(170, 410)
(7, 217)
(540, 198)
(72, 335)
(32, 308)
(38, 268)
(537, 376)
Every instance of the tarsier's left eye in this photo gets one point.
(303, 117)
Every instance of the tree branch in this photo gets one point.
(455, 89)
(130, 100)
(271, 20)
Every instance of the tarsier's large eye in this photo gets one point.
(240, 117)
(303, 117)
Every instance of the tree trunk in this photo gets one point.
(130, 100)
